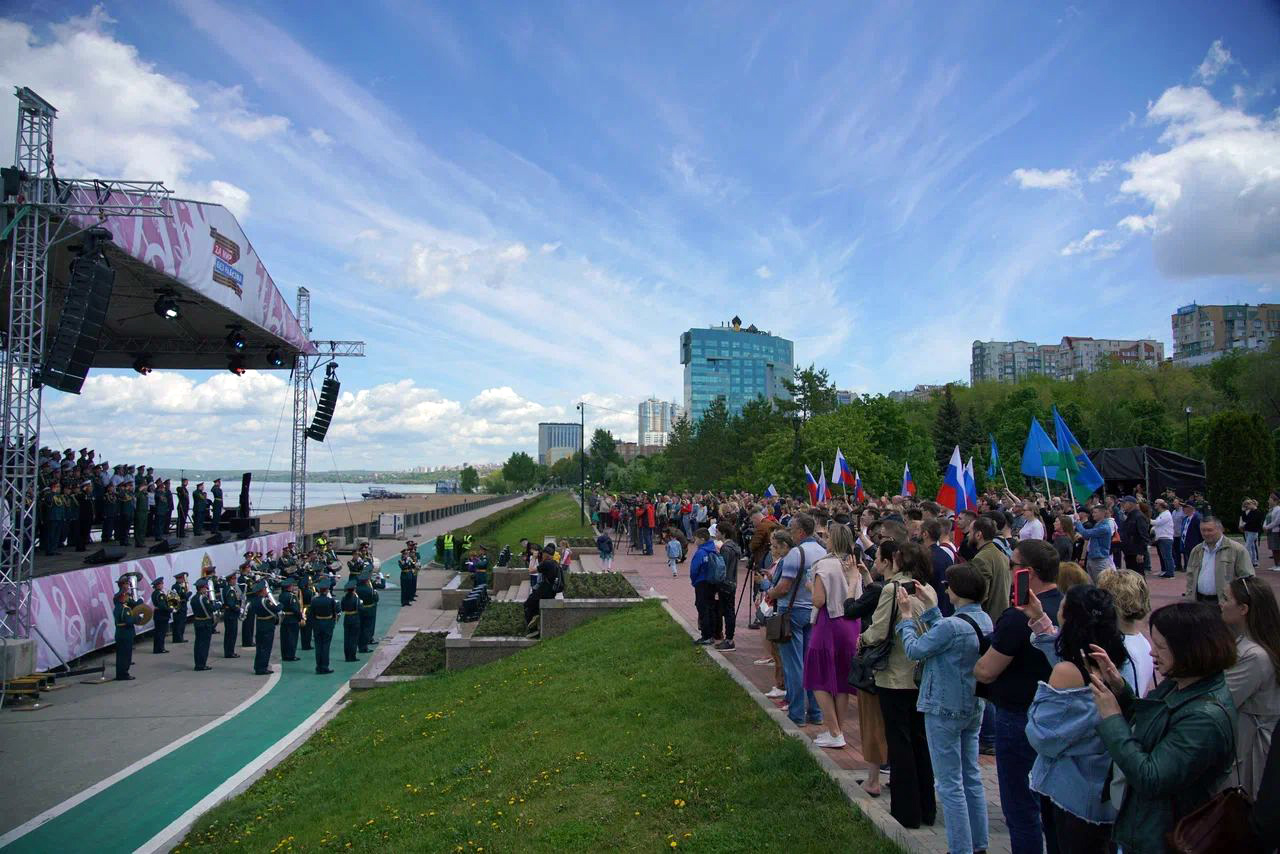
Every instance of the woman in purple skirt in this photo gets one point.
(834, 638)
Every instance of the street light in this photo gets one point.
(582, 460)
(1187, 413)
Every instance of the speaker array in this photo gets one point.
(324, 409)
(80, 327)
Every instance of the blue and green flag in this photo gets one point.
(995, 458)
(1039, 456)
(1077, 468)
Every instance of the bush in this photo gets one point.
(501, 620)
(598, 585)
(1239, 459)
(421, 656)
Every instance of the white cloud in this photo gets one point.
(548, 248)
(233, 198)
(1046, 179)
(1137, 224)
(1101, 171)
(1214, 192)
(764, 272)
(1215, 62)
(1084, 244)
(320, 138)
(433, 269)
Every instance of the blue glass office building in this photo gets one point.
(737, 363)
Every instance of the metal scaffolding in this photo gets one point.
(303, 365)
(42, 198)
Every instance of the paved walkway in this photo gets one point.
(652, 573)
(126, 766)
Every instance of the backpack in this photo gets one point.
(715, 567)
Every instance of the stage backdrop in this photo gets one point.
(73, 609)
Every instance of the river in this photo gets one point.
(268, 497)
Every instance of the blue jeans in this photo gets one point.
(798, 699)
(1251, 545)
(646, 535)
(953, 749)
(1164, 548)
(1014, 758)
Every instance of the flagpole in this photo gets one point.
(1002, 477)
(1048, 493)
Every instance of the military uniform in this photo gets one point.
(125, 630)
(184, 507)
(216, 524)
(231, 605)
(290, 616)
(350, 621)
(406, 579)
(124, 514)
(203, 613)
(140, 512)
(265, 617)
(306, 593)
(322, 611)
(110, 512)
(159, 602)
(199, 503)
(183, 594)
(85, 505)
(248, 635)
(368, 610)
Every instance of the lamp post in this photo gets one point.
(582, 460)
(1187, 413)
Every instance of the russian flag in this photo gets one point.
(952, 492)
(840, 472)
(857, 487)
(771, 492)
(970, 486)
(824, 494)
(908, 485)
(811, 485)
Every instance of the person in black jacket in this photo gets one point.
(1135, 536)
(1265, 819)
(548, 578)
(875, 749)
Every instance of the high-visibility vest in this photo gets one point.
(448, 542)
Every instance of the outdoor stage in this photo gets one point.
(72, 610)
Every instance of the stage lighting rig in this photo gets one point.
(275, 358)
(167, 306)
(236, 340)
(236, 365)
(142, 364)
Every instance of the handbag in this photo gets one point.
(1219, 824)
(863, 666)
(981, 690)
(777, 627)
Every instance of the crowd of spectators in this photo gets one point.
(1109, 722)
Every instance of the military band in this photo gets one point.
(181, 598)
(291, 617)
(266, 613)
(203, 613)
(232, 602)
(321, 612)
(162, 607)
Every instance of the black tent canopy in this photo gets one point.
(1155, 468)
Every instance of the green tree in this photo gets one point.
(600, 454)
(811, 391)
(680, 453)
(1225, 373)
(566, 471)
(520, 471)
(947, 428)
(469, 479)
(1239, 459)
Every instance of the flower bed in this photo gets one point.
(421, 656)
(501, 619)
(598, 585)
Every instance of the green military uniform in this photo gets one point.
(125, 631)
(216, 524)
(350, 621)
(199, 504)
(231, 605)
(322, 611)
(406, 580)
(306, 592)
(110, 511)
(183, 592)
(124, 516)
(290, 616)
(265, 616)
(160, 603)
(140, 512)
(70, 532)
(203, 613)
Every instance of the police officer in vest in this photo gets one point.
(125, 632)
(231, 605)
(448, 551)
(350, 621)
(182, 595)
(265, 616)
(290, 616)
(160, 604)
(203, 611)
(321, 612)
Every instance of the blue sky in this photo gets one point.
(518, 205)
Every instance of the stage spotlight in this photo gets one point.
(167, 307)
(236, 365)
(275, 358)
(236, 340)
(142, 365)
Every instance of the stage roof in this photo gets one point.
(201, 256)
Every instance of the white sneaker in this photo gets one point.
(673, 573)
(825, 740)
(775, 693)
(763, 661)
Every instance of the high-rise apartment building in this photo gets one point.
(656, 418)
(734, 362)
(1202, 333)
(558, 440)
(1011, 361)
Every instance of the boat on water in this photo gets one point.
(376, 492)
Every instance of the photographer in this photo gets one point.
(548, 581)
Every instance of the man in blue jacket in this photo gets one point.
(704, 589)
(1098, 539)
(1191, 536)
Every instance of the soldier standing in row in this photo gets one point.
(216, 525)
(307, 592)
(231, 604)
(124, 511)
(125, 631)
(406, 577)
(199, 505)
(321, 612)
(203, 610)
(248, 628)
(290, 616)
(368, 610)
(350, 621)
(140, 511)
(160, 604)
(85, 503)
(184, 507)
(110, 512)
(182, 595)
(266, 614)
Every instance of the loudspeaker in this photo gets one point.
(108, 554)
(245, 480)
(84, 313)
(168, 544)
(217, 539)
(324, 409)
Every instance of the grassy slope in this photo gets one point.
(617, 736)
(558, 514)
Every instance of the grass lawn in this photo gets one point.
(501, 620)
(620, 735)
(420, 656)
(557, 514)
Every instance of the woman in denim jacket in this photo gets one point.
(1072, 763)
(952, 713)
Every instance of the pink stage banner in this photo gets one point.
(73, 609)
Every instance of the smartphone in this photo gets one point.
(1021, 587)
(910, 587)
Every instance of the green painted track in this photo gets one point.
(127, 814)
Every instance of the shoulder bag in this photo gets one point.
(870, 659)
(980, 689)
(777, 627)
(1220, 823)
